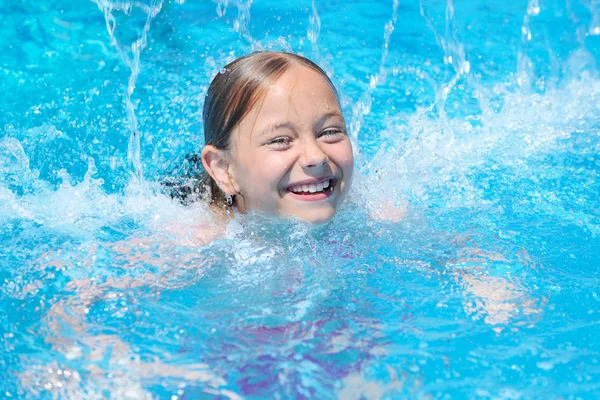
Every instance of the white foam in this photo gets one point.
(84, 207)
(430, 157)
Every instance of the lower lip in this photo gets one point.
(312, 196)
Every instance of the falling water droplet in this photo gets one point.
(222, 7)
(533, 8)
(466, 67)
(130, 55)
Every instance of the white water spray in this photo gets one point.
(454, 55)
(130, 55)
(314, 28)
(363, 106)
(594, 8)
(525, 66)
(222, 7)
(241, 24)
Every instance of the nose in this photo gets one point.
(313, 157)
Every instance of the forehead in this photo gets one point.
(300, 97)
(300, 84)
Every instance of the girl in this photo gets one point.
(276, 140)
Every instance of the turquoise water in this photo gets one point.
(481, 120)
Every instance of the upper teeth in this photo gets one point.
(311, 187)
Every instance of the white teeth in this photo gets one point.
(311, 188)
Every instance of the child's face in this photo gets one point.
(291, 154)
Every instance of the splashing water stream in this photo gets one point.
(484, 285)
(525, 66)
(314, 29)
(222, 7)
(363, 106)
(130, 55)
(453, 53)
(241, 24)
(594, 28)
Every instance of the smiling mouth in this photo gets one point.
(313, 191)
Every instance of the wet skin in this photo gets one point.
(291, 154)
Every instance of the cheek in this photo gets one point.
(276, 162)
(268, 170)
(345, 159)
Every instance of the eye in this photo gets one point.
(332, 134)
(282, 142)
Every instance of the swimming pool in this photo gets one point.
(481, 118)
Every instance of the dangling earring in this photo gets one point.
(229, 200)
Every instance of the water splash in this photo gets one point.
(431, 167)
(454, 54)
(242, 23)
(450, 43)
(82, 209)
(363, 106)
(14, 163)
(222, 7)
(594, 28)
(130, 55)
(525, 72)
(454, 51)
(328, 295)
(314, 29)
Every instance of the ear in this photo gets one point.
(217, 166)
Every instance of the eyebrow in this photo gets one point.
(273, 127)
(330, 114)
(283, 124)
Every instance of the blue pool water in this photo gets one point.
(480, 119)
